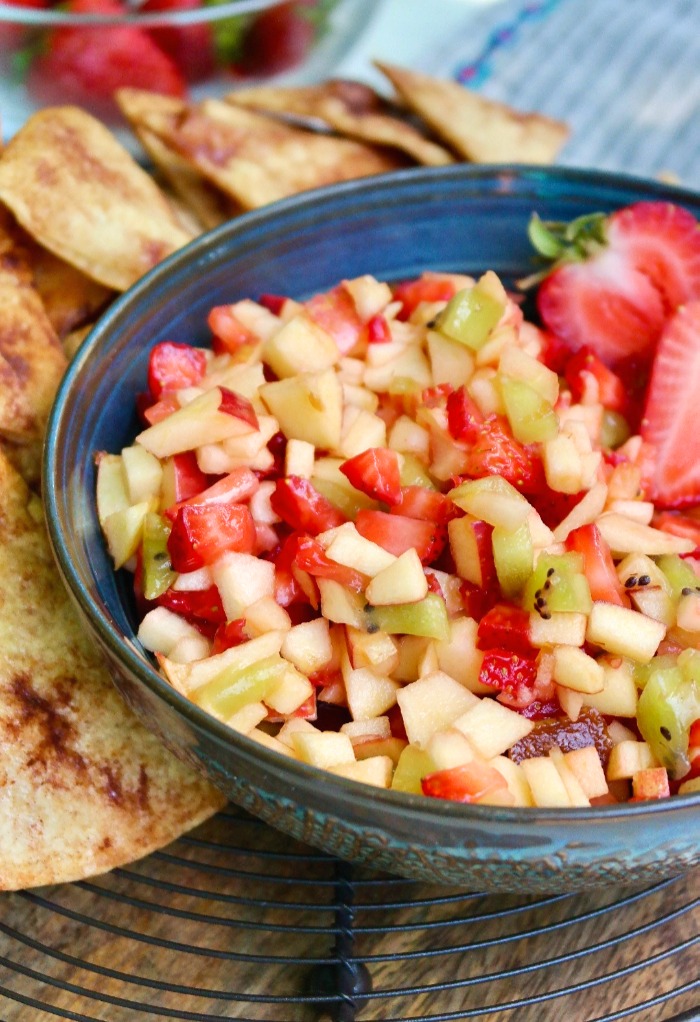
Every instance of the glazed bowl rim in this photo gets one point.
(302, 776)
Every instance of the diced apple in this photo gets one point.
(485, 391)
(266, 615)
(402, 581)
(376, 770)
(299, 458)
(515, 778)
(323, 748)
(371, 296)
(628, 758)
(161, 629)
(376, 650)
(570, 701)
(341, 605)
(308, 407)
(471, 548)
(617, 732)
(560, 629)
(428, 662)
(575, 669)
(291, 727)
(577, 796)
(262, 738)
(348, 547)
(112, 494)
(411, 652)
(493, 500)
(491, 727)
(626, 536)
(407, 435)
(689, 787)
(547, 787)
(585, 764)
(651, 783)
(308, 645)
(391, 747)
(289, 692)
(641, 511)
(189, 648)
(123, 530)
(143, 473)
(368, 694)
(300, 345)
(431, 704)
(450, 361)
(624, 632)
(688, 613)
(187, 678)
(360, 431)
(585, 512)
(459, 656)
(410, 364)
(242, 579)
(247, 718)
(618, 697)
(373, 728)
(414, 764)
(449, 748)
(563, 467)
(204, 420)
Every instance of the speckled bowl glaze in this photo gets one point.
(461, 218)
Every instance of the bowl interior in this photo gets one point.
(459, 219)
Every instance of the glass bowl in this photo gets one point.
(458, 219)
(80, 51)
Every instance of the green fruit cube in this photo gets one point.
(470, 317)
(558, 585)
(531, 418)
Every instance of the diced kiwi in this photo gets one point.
(470, 317)
(158, 574)
(558, 585)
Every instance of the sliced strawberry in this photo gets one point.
(429, 287)
(377, 330)
(375, 472)
(508, 628)
(509, 673)
(397, 534)
(86, 65)
(669, 420)
(463, 416)
(496, 452)
(195, 605)
(616, 279)
(428, 505)
(202, 533)
(598, 566)
(229, 634)
(240, 484)
(312, 558)
(588, 377)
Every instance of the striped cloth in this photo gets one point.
(625, 75)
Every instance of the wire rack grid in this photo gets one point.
(238, 922)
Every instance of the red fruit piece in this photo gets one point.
(508, 628)
(377, 329)
(202, 533)
(585, 373)
(397, 534)
(428, 505)
(496, 452)
(678, 525)
(238, 485)
(508, 672)
(278, 40)
(238, 406)
(428, 288)
(375, 472)
(617, 278)
(463, 417)
(466, 783)
(172, 365)
(336, 313)
(302, 507)
(229, 634)
(669, 420)
(311, 557)
(201, 605)
(598, 566)
(191, 47)
(229, 334)
(86, 65)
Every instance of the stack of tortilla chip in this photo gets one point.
(83, 786)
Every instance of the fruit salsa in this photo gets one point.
(408, 535)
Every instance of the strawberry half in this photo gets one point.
(669, 421)
(617, 278)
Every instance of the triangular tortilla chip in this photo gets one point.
(210, 206)
(32, 361)
(351, 108)
(478, 128)
(80, 194)
(83, 786)
(257, 159)
(26, 459)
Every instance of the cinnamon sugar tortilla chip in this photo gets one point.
(80, 194)
(209, 206)
(70, 297)
(83, 786)
(257, 159)
(32, 361)
(351, 108)
(478, 128)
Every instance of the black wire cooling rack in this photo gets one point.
(238, 922)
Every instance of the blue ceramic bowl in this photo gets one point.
(457, 218)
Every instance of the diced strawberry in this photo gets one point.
(553, 506)
(229, 634)
(302, 507)
(598, 566)
(191, 47)
(678, 525)
(463, 417)
(554, 353)
(202, 533)
(617, 278)
(229, 334)
(585, 372)
(377, 329)
(397, 533)
(275, 303)
(478, 601)
(466, 783)
(496, 452)
(200, 605)
(336, 313)
(436, 397)
(506, 627)
(188, 480)
(509, 672)
(375, 472)
(237, 486)
(427, 288)
(428, 505)
(152, 413)
(288, 590)
(311, 557)
(278, 39)
(86, 65)
(172, 366)
(669, 419)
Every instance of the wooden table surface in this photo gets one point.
(228, 923)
